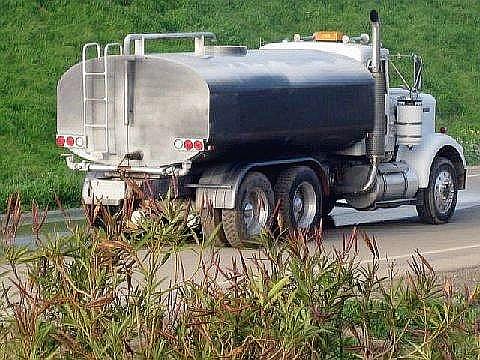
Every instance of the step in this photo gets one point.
(96, 126)
(95, 74)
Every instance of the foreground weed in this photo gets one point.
(122, 292)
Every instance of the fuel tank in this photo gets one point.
(242, 104)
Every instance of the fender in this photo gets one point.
(219, 184)
(420, 157)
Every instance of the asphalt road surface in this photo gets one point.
(399, 233)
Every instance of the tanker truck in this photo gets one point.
(292, 128)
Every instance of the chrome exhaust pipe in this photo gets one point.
(376, 41)
(375, 140)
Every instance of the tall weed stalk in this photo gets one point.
(124, 292)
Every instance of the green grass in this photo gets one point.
(41, 39)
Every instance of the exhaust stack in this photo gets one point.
(376, 139)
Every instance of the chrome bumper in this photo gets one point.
(163, 170)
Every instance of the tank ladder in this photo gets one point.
(87, 99)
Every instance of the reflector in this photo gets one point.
(60, 141)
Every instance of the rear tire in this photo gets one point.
(300, 195)
(253, 209)
(211, 220)
(108, 211)
(436, 204)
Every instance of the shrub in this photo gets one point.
(113, 294)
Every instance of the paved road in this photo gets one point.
(399, 233)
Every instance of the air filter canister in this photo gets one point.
(409, 122)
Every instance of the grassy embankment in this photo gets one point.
(40, 39)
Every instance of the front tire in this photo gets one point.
(253, 209)
(301, 198)
(436, 203)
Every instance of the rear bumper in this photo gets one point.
(107, 190)
(168, 170)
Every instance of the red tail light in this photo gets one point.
(188, 145)
(198, 145)
(60, 141)
(71, 141)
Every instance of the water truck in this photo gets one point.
(293, 128)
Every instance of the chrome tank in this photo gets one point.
(394, 181)
(266, 101)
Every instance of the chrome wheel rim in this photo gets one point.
(304, 205)
(255, 211)
(444, 191)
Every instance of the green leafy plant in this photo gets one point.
(41, 39)
(123, 292)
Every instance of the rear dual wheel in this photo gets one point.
(254, 207)
(299, 193)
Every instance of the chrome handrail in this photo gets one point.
(198, 36)
(106, 85)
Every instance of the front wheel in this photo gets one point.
(436, 203)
